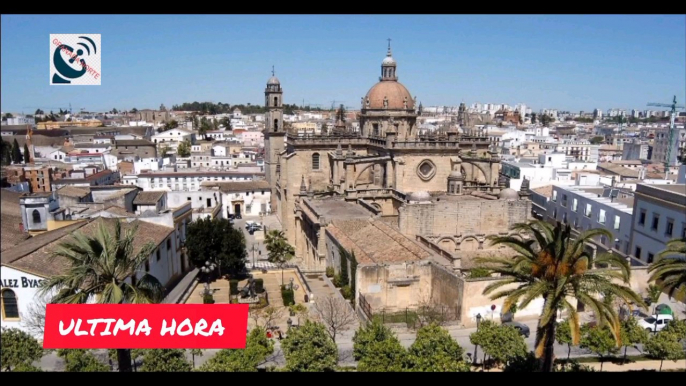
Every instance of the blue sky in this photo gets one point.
(566, 62)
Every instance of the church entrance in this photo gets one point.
(237, 210)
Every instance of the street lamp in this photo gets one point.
(259, 252)
(476, 346)
(289, 322)
(207, 269)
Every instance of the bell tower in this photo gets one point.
(274, 133)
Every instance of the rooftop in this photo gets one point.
(34, 255)
(73, 191)
(339, 209)
(375, 242)
(237, 186)
(148, 198)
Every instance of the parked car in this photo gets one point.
(523, 329)
(248, 224)
(656, 322)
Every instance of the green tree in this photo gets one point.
(81, 361)
(654, 293)
(505, 344)
(98, 266)
(165, 360)
(676, 327)
(368, 334)
(26, 368)
(310, 349)
(226, 122)
(553, 265)
(195, 352)
(546, 119)
(9, 115)
(218, 241)
(633, 334)
(280, 251)
(435, 350)
(16, 153)
(184, 148)
(164, 151)
(205, 126)
(664, 345)
(6, 152)
(533, 117)
(115, 111)
(669, 269)
(257, 349)
(384, 356)
(27, 154)
(39, 112)
(18, 348)
(134, 110)
(478, 272)
(597, 140)
(600, 340)
(563, 335)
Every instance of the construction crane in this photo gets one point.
(333, 104)
(673, 140)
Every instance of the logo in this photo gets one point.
(75, 59)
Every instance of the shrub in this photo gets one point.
(207, 298)
(338, 281)
(287, 295)
(347, 292)
(259, 285)
(233, 287)
(475, 273)
(329, 272)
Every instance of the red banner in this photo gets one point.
(104, 326)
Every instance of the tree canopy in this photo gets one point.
(165, 360)
(257, 348)
(184, 148)
(669, 269)
(553, 265)
(18, 348)
(600, 340)
(309, 348)
(82, 361)
(218, 241)
(501, 343)
(435, 350)
(377, 349)
(664, 346)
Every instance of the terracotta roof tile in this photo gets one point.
(148, 198)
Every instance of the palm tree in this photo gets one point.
(669, 269)
(97, 267)
(553, 265)
(280, 252)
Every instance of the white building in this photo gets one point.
(543, 170)
(591, 207)
(579, 150)
(250, 198)
(21, 121)
(184, 180)
(659, 216)
(173, 138)
(25, 266)
(205, 204)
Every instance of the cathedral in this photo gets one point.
(397, 185)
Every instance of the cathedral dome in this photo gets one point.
(394, 91)
(388, 60)
(275, 80)
(509, 195)
(420, 196)
(456, 175)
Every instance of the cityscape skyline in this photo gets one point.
(321, 59)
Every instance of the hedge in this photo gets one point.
(259, 285)
(207, 299)
(287, 295)
(233, 287)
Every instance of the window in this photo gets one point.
(564, 200)
(564, 218)
(157, 255)
(315, 161)
(642, 217)
(575, 205)
(603, 239)
(9, 305)
(554, 195)
(601, 216)
(589, 210)
(670, 227)
(36, 216)
(147, 266)
(555, 213)
(638, 252)
(209, 202)
(168, 244)
(656, 222)
(651, 257)
(617, 221)
(133, 280)
(187, 198)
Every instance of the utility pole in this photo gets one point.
(259, 252)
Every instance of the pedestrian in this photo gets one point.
(280, 337)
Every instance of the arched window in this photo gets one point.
(9, 305)
(315, 161)
(36, 216)
(276, 125)
(276, 101)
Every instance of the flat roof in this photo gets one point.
(339, 209)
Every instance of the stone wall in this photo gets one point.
(395, 287)
(448, 217)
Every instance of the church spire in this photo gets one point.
(388, 66)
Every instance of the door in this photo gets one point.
(237, 209)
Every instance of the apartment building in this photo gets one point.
(660, 216)
(186, 180)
